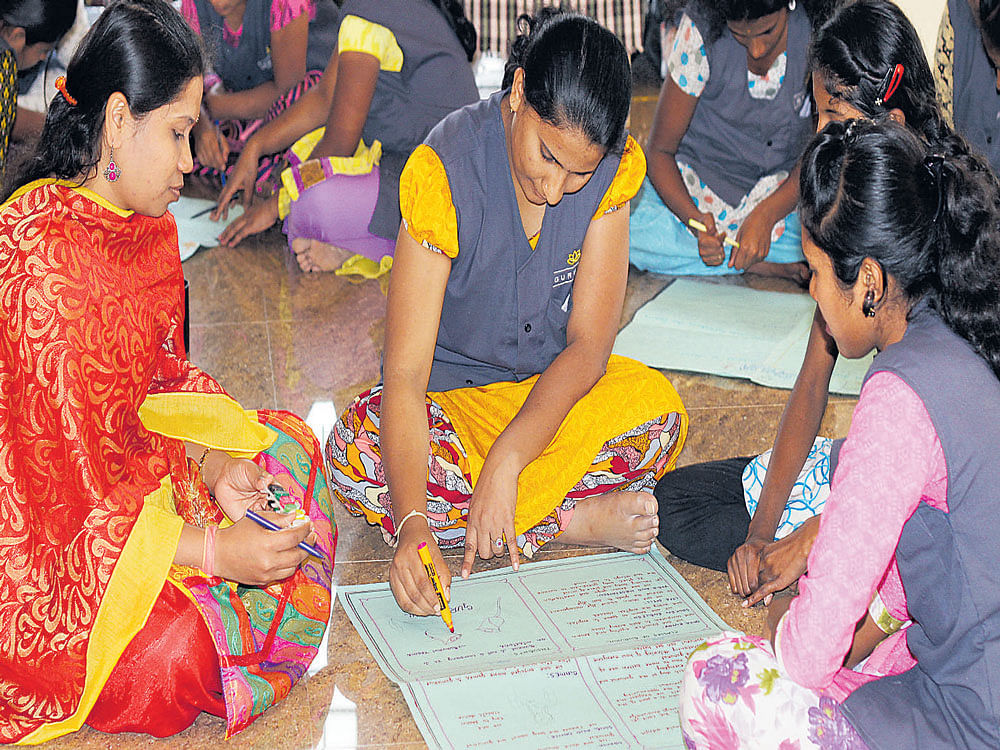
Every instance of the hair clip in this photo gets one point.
(889, 84)
(934, 164)
(61, 85)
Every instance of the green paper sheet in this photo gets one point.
(562, 653)
(728, 330)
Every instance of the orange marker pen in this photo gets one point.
(425, 558)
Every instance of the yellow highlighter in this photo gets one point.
(425, 558)
(695, 224)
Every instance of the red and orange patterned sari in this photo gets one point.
(96, 397)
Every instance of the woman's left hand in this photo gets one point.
(754, 238)
(491, 516)
(241, 484)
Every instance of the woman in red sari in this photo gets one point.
(134, 593)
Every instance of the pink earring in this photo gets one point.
(112, 172)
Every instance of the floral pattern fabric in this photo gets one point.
(729, 218)
(689, 68)
(734, 695)
(630, 461)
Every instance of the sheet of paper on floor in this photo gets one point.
(729, 330)
(564, 651)
(195, 231)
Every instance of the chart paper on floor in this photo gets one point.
(568, 652)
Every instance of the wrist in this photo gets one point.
(211, 466)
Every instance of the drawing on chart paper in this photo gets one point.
(493, 623)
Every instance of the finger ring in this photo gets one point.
(498, 543)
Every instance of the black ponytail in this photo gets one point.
(42, 20)
(464, 30)
(859, 46)
(576, 73)
(875, 190)
(141, 48)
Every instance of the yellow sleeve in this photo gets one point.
(358, 35)
(628, 179)
(425, 202)
(944, 67)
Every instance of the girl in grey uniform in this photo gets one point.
(732, 119)
(506, 422)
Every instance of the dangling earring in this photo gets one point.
(791, 5)
(868, 304)
(112, 172)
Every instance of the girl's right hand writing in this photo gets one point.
(710, 247)
(407, 576)
(250, 554)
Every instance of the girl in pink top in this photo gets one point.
(843, 628)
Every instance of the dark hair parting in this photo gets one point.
(141, 48)
(930, 219)
(576, 73)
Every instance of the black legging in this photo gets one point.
(703, 516)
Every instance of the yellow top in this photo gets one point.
(429, 213)
(360, 35)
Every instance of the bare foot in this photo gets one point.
(794, 272)
(314, 255)
(626, 520)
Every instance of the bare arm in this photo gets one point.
(288, 56)
(416, 295)
(798, 428)
(674, 111)
(598, 295)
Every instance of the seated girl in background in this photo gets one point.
(732, 118)
(264, 54)
(506, 425)
(904, 251)
(967, 68)
(727, 514)
(29, 29)
(401, 66)
(139, 593)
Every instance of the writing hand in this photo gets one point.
(491, 517)
(783, 562)
(710, 242)
(754, 238)
(250, 554)
(407, 576)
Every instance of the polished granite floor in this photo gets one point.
(275, 337)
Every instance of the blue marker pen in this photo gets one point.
(271, 526)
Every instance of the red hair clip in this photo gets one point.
(61, 85)
(889, 84)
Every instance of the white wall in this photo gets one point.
(925, 15)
